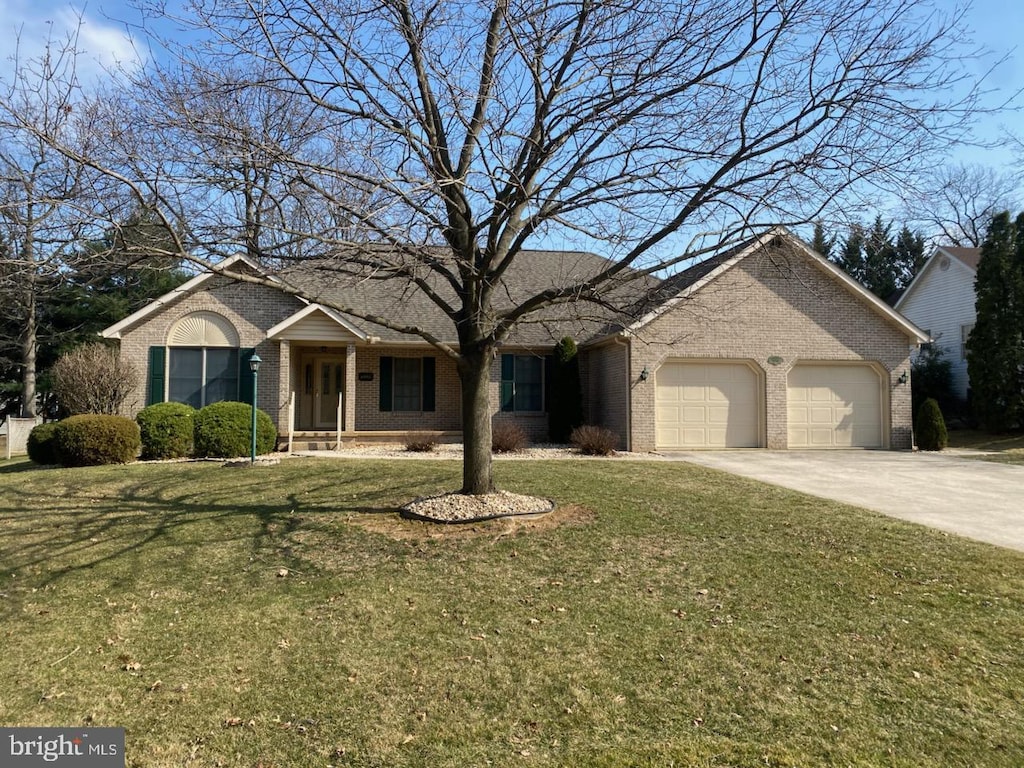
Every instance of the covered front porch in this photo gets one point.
(338, 385)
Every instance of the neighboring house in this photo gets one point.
(941, 300)
(764, 345)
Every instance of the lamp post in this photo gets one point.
(254, 366)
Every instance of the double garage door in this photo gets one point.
(721, 404)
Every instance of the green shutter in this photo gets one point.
(508, 382)
(386, 372)
(429, 383)
(245, 376)
(157, 375)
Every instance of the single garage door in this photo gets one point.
(707, 405)
(835, 406)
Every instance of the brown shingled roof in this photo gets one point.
(969, 256)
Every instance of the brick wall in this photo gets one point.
(774, 309)
(251, 309)
(606, 398)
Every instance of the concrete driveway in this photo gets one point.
(979, 499)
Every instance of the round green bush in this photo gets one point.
(41, 447)
(931, 427)
(222, 430)
(166, 430)
(92, 439)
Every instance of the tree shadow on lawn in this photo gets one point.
(61, 531)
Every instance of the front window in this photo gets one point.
(407, 383)
(522, 383)
(965, 334)
(202, 376)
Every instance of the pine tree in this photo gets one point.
(851, 255)
(995, 352)
(909, 256)
(821, 243)
(879, 256)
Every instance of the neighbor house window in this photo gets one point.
(965, 334)
(202, 376)
(522, 383)
(407, 383)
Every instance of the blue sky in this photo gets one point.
(993, 24)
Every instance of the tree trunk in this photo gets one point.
(474, 373)
(28, 357)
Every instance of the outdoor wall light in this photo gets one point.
(902, 380)
(645, 374)
(254, 366)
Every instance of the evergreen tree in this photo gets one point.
(995, 351)
(821, 243)
(909, 252)
(879, 256)
(851, 255)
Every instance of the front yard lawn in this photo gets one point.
(1007, 448)
(664, 615)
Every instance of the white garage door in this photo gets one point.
(835, 406)
(706, 405)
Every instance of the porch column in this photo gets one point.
(284, 386)
(350, 388)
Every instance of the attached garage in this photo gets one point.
(835, 406)
(708, 404)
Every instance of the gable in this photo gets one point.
(796, 275)
(944, 277)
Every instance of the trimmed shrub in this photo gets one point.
(166, 430)
(42, 449)
(417, 443)
(594, 441)
(89, 440)
(222, 430)
(931, 427)
(508, 437)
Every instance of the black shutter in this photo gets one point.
(386, 369)
(157, 375)
(429, 383)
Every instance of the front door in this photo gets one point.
(329, 384)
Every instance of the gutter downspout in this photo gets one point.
(623, 340)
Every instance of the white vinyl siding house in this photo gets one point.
(941, 299)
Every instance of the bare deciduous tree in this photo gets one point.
(93, 378)
(958, 202)
(446, 138)
(42, 194)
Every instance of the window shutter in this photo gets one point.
(429, 385)
(549, 377)
(245, 376)
(386, 369)
(157, 375)
(508, 382)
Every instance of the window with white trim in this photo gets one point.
(199, 376)
(965, 335)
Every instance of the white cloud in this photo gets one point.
(26, 27)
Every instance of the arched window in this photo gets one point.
(203, 358)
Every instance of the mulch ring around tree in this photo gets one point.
(458, 508)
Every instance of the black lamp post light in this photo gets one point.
(254, 366)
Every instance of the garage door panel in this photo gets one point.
(834, 406)
(719, 405)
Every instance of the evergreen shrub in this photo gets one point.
(931, 427)
(222, 430)
(90, 440)
(41, 447)
(166, 430)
